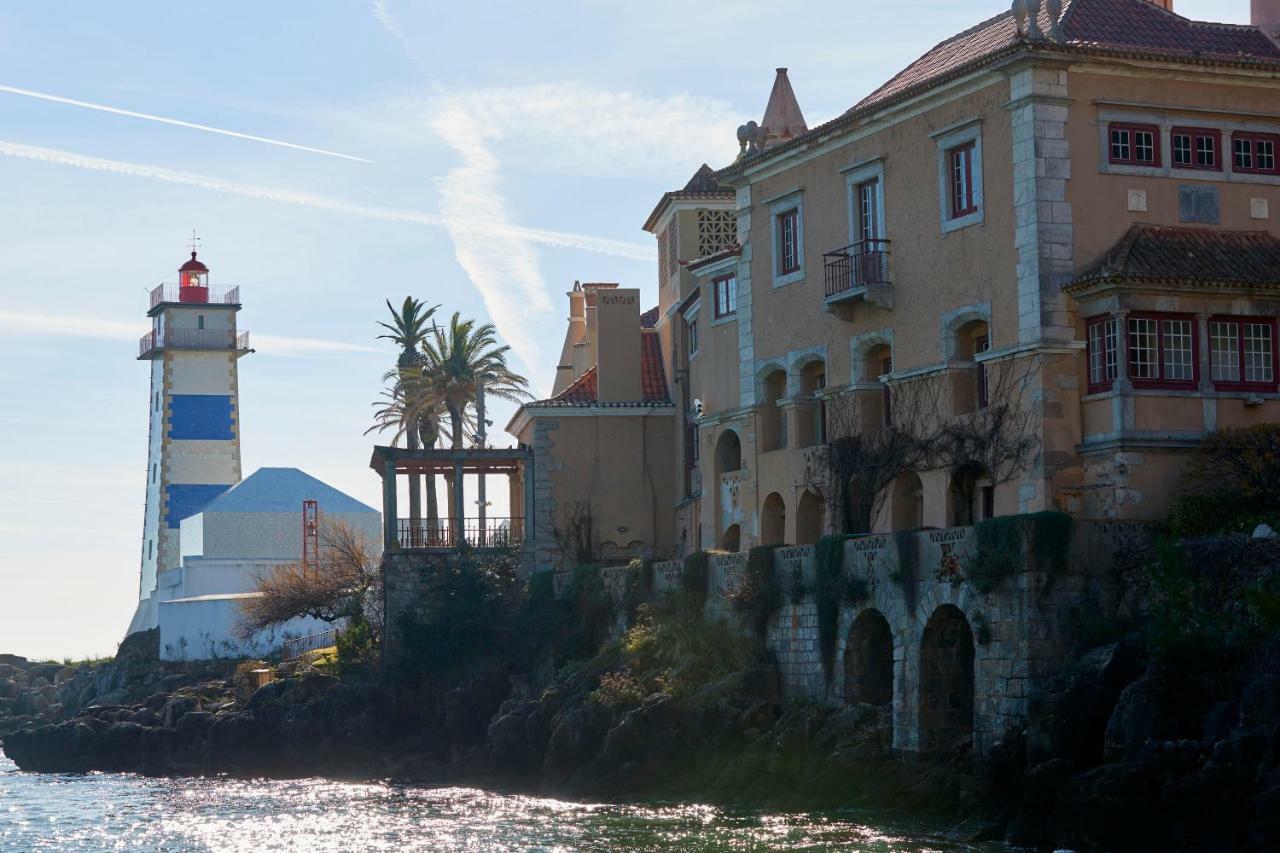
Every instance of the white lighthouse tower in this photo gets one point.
(193, 453)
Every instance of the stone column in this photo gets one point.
(389, 517)
(459, 505)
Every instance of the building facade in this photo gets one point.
(1052, 240)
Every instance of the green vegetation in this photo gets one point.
(833, 591)
(639, 587)
(1002, 546)
(1230, 486)
(760, 594)
(695, 578)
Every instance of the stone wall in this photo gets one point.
(950, 657)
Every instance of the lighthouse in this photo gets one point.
(193, 453)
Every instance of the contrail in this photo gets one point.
(599, 245)
(57, 99)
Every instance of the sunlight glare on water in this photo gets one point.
(107, 812)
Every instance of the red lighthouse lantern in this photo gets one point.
(193, 281)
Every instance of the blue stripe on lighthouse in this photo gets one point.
(186, 499)
(200, 417)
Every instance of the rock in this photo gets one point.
(156, 701)
(119, 747)
(1264, 830)
(145, 717)
(1263, 531)
(1139, 716)
(1112, 807)
(508, 740)
(175, 709)
(15, 661)
(48, 671)
(1040, 788)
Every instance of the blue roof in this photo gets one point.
(283, 490)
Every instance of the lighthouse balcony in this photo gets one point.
(154, 343)
(173, 294)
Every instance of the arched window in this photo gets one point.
(728, 452)
(946, 680)
(773, 520)
(773, 424)
(973, 339)
(809, 518)
(813, 379)
(908, 502)
(868, 660)
(732, 539)
(878, 364)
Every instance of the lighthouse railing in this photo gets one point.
(197, 339)
(166, 293)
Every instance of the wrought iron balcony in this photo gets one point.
(171, 294)
(492, 532)
(153, 343)
(859, 271)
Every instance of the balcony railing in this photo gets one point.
(201, 339)
(861, 265)
(165, 293)
(493, 532)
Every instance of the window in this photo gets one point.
(1196, 148)
(1135, 144)
(1242, 352)
(199, 321)
(988, 502)
(726, 290)
(717, 230)
(960, 162)
(982, 344)
(868, 210)
(150, 551)
(1103, 353)
(691, 325)
(673, 250)
(1162, 351)
(153, 471)
(788, 241)
(1255, 152)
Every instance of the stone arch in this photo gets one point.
(954, 321)
(811, 381)
(731, 541)
(906, 503)
(946, 680)
(728, 453)
(810, 515)
(773, 520)
(968, 495)
(868, 660)
(860, 346)
(773, 426)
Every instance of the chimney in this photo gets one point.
(1265, 15)
(618, 345)
(1167, 5)
(782, 116)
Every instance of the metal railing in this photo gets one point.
(494, 532)
(223, 295)
(203, 339)
(859, 265)
(296, 647)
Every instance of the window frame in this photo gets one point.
(949, 140)
(867, 208)
(1160, 382)
(965, 151)
(692, 335)
(1106, 383)
(1196, 134)
(1243, 384)
(1254, 137)
(788, 222)
(729, 310)
(1132, 160)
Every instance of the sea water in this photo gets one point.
(109, 811)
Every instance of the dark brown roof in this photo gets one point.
(649, 319)
(1135, 29)
(703, 186)
(585, 390)
(727, 252)
(1159, 254)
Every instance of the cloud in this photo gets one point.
(57, 99)
(391, 24)
(118, 330)
(616, 248)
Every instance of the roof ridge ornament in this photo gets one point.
(1054, 8)
(1026, 14)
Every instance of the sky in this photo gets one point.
(332, 156)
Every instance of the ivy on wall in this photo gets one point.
(760, 594)
(833, 591)
(1003, 545)
(908, 547)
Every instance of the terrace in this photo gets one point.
(858, 272)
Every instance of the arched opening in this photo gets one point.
(877, 364)
(970, 495)
(860, 504)
(908, 502)
(728, 452)
(868, 660)
(773, 424)
(773, 520)
(732, 539)
(813, 422)
(972, 393)
(810, 513)
(946, 680)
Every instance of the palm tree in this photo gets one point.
(408, 330)
(463, 361)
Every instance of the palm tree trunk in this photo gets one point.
(455, 418)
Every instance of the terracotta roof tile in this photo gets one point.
(585, 390)
(1187, 256)
(703, 186)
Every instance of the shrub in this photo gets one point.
(639, 588)
(1243, 462)
(618, 691)
(591, 609)
(1200, 514)
(356, 647)
(672, 649)
(760, 594)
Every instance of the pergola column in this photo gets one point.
(527, 477)
(389, 511)
(459, 501)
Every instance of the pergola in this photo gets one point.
(455, 527)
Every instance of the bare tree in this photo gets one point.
(341, 584)
(574, 532)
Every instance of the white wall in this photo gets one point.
(205, 628)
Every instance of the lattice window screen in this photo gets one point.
(673, 249)
(717, 230)
(664, 253)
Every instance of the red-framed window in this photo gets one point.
(1163, 351)
(1255, 152)
(982, 344)
(789, 241)
(1196, 148)
(960, 169)
(1104, 352)
(1135, 144)
(868, 210)
(1243, 353)
(725, 288)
